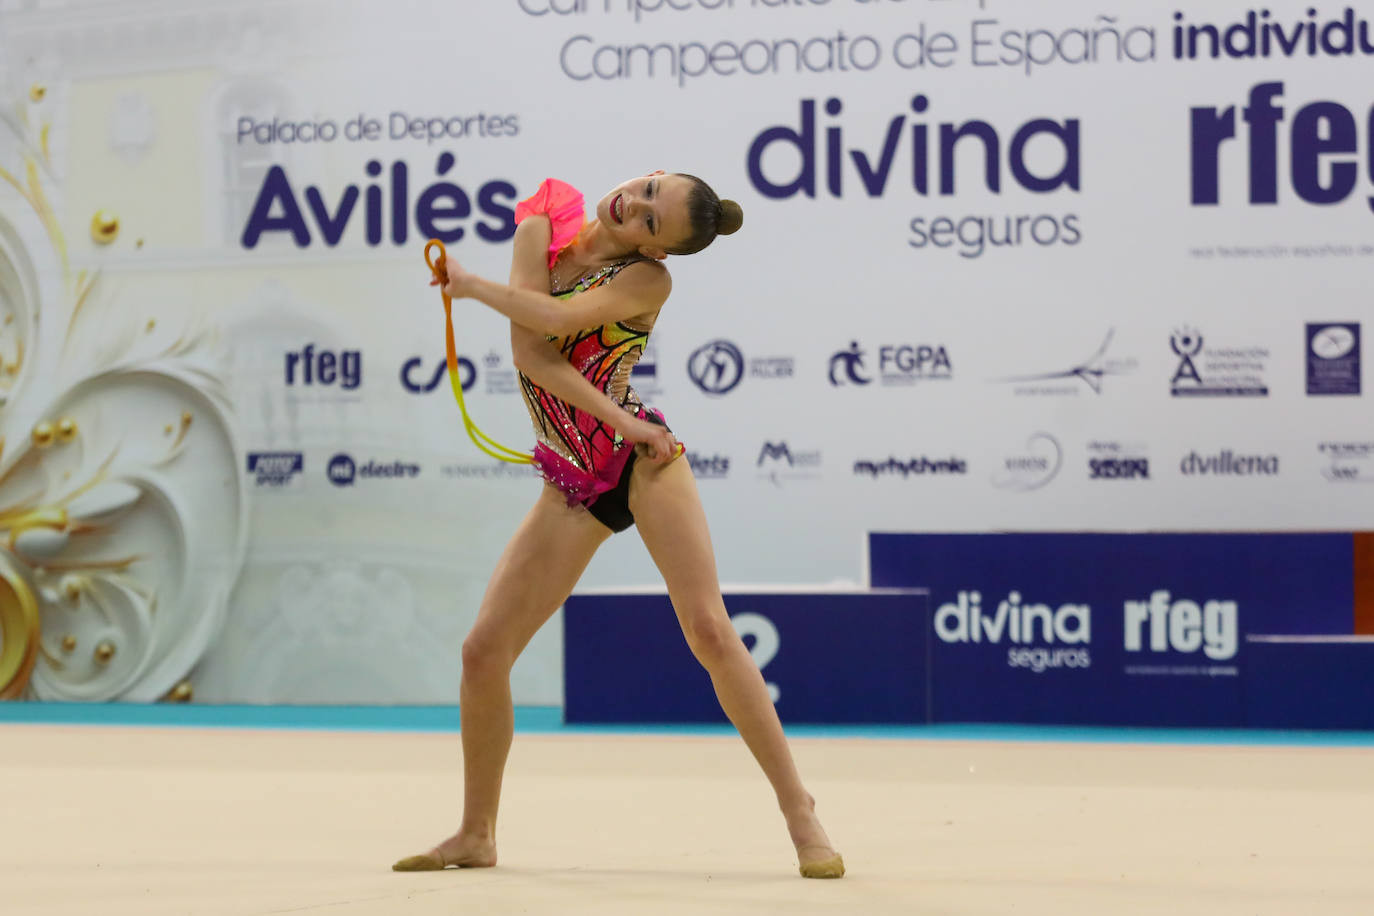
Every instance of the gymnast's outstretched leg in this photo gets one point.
(671, 521)
(537, 571)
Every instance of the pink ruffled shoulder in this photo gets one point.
(563, 205)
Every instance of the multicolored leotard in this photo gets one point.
(575, 451)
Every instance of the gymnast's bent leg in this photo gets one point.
(537, 571)
(672, 523)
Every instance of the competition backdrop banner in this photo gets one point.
(1004, 266)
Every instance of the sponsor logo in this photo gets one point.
(772, 367)
(1311, 136)
(1333, 358)
(1032, 466)
(813, 154)
(1042, 637)
(1229, 464)
(1348, 462)
(708, 467)
(1117, 461)
(500, 380)
(438, 209)
(1216, 371)
(415, 380)
(309, 367)
(849, 365)
(779, 462)
(275, 469)
(917, 467)
(898, 364)
(1087, 375)
(1166, 625)
(493, 470)
(718, 367)
(343, 471)
(869, 170)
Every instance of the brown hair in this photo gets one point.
(708, 216)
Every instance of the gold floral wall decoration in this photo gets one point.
(123, 515)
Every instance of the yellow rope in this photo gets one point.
(480, 439)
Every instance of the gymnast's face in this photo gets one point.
(647, 214)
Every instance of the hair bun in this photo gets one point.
(731, 217)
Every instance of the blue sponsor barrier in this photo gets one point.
(828, 658)
(1310, 682)
(1112, 629)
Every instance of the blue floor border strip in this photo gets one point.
(549, 719)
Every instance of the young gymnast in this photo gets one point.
(582, 299)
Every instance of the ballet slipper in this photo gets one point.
(424, 862)
(832, 867)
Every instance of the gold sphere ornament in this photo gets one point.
(69, 643)
(66, 429)
(186, 418)
(43, 434)
(104, 652)
(105, 226)
(181, 693)
(72, 588)
(37, 92)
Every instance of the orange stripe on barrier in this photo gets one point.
(1364, 581)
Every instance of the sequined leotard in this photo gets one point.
(575, 451)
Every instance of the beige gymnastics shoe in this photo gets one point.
(424, 862)
(832, 867)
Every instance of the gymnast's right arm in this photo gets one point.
(537, 357)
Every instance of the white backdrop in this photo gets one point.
(893, 371)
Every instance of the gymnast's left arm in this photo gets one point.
(641, 289)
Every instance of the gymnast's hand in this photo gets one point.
(456, 281)
(660, 445)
